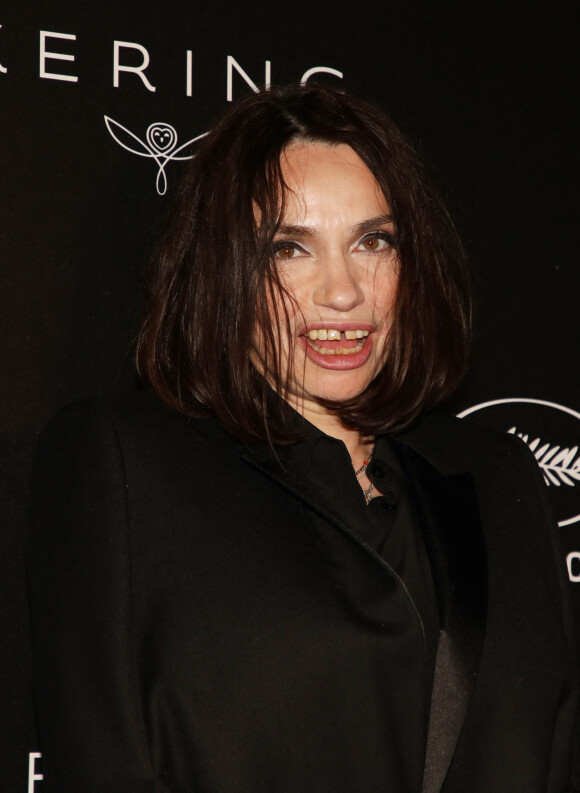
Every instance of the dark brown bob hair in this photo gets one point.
(215, 276)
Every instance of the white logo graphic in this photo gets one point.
(559, 466)
(159, 144)
(33, 775)
(559, 463)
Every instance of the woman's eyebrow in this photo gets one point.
(360, 228)
(295, 231)
(372, 223)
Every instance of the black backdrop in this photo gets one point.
(486, 90)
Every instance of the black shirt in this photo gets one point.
(388, 524)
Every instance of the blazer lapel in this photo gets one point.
(447, 511)
(375, 590)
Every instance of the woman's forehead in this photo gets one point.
(325, 184)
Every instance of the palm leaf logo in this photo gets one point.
(560, 466)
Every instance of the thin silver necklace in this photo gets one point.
(361, 470)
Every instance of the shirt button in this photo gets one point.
(377, 471)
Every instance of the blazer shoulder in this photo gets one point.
(136, 420)
(453, 445)
(153, 453)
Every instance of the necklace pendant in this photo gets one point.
(361, 470)
(367, 493)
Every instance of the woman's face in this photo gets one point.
(335, 254)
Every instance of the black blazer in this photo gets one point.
(193, 633)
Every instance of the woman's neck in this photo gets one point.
(358, 448)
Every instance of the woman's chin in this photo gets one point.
(338, 389)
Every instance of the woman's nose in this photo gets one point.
(339, 284)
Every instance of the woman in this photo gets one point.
(289, 574)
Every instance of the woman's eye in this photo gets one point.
(375, 243)
(287, 250)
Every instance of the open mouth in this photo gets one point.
(329, 341)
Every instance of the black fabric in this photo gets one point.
(194, 630)
(448, 512)
(387, 524)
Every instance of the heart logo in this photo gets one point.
(162, 137)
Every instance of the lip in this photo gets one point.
(339, 362)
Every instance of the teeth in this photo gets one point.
(327, 334)
(342, 351)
